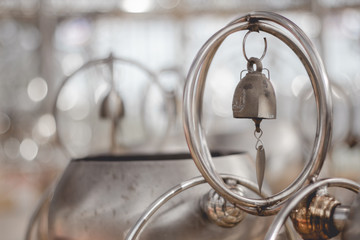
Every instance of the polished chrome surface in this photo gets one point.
(193, 95)
(141, 224)
(219, 210)
(102, 198)
(137, 229)
(293, 202)
(313, 218)
(48, 39)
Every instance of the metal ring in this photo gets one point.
(244, 51)
(296, 199)
(110, 61)
(193, 94)
(257, 62)
(260, 134)
(141, 223)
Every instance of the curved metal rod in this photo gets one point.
(110, 60)
(296, 199)
(39, 208)
(244, 51)
(194, 89)
(139, 226)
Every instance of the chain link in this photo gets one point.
(258, 136)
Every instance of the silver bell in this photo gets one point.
(112, 106)
(254, 96)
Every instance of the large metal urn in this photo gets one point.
(103, 197)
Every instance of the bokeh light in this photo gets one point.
(37, 89)
(28, 149)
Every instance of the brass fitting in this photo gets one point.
(313, 218)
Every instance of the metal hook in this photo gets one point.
(265, 49)
(258, 142)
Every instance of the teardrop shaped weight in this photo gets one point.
(260, 166)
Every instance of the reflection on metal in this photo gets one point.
(314, 217)
(97, 198)
(220, 211)
(193, 96)
(137, 229)
(103, 197)
(142, 222)
(294, 201)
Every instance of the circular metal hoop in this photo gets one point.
(295, 200)
(168, 97)
(244, 51)
(139, 226)
(193, 95)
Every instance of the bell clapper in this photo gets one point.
(260, 154)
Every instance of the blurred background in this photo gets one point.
(49, 110)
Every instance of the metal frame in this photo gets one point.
(170, 104)
(193, 96)
(135, 232)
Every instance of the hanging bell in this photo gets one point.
(112, 106)
(254, 96)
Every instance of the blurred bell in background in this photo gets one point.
(49, 112)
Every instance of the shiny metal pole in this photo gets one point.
(139, 226)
